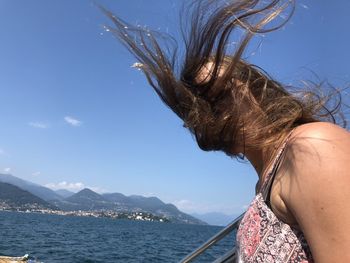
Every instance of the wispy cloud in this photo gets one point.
(74, 187)
(7, 170)
(36, 173)
(65, 185)
(304, 6)
(73, 121)
(39, 125)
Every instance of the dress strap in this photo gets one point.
(267, 183)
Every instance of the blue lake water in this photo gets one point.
(53, 238)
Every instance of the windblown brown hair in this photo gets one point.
(237, 104)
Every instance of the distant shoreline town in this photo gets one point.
(23, 196)
(137, 216)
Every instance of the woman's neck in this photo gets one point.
(257, 157)
(262, 158)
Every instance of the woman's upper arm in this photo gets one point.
(318, 192)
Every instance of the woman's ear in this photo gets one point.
(206, 72)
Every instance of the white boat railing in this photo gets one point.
(226, 258)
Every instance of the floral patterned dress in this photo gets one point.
(262, 237)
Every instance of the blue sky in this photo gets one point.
(74, 113)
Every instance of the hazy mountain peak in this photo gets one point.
(64, 193)
(86, 194)
(38, 190)
(86, 190)
(215, 218)
(17, 197)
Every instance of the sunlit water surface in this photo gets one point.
(52, 238)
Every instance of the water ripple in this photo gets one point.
(52, 238)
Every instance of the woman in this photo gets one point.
(301, 212)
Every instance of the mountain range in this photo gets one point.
(12, 196)
(88, 200)
(38, 190)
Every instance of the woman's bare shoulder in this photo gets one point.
(318, 152)
(317, 187)
(320, 130)
(319, 141)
